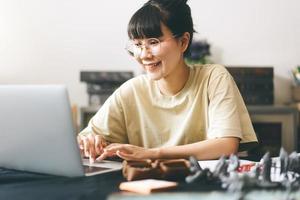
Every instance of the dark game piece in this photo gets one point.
(233, 163)
(266, 167)
(284, 161)
(226, 172)
(294, 163)
(221, 167)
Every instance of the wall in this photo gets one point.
(50, 41)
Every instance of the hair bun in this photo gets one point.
(169, 4)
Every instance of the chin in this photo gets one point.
(154, 77)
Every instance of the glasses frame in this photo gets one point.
(130, 45)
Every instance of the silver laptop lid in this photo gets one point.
(36, 130)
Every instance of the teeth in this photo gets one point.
(155, 64)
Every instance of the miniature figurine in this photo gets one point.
(284, 161)
(197, 173)
(266, 163)
(221, 167)
(260, 176)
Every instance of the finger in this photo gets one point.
(102, 156)
(98, 145)
(109, 153)
(112, 145)
(125, 156)
(105, 154)
(80, 145)
(86, 147)
(80, 142)
(119, 147)
(92, 152)
(104, 143)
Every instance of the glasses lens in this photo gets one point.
(135, 48)
(130, 48)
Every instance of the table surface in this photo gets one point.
(25, 185)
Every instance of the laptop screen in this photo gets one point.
(37, 132)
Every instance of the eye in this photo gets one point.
(137, 44)
(153, 41)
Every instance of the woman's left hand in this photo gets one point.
(127, 152)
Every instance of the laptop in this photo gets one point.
(37, 133)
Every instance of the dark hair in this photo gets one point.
(175, 14)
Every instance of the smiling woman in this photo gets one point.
(174, 110)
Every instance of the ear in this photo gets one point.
(185, 39)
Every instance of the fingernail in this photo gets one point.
(100, 158)
(91, 159)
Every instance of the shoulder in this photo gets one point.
(209, 72)
(211, 69)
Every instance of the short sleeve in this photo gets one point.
(223, 113)
(109, 121)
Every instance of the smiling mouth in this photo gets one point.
(153, 65)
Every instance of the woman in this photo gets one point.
(175, 110)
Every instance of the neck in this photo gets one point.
(174, 83)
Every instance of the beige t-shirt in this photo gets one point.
(209, 106)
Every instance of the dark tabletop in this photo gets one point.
(25, 185)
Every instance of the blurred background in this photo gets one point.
(81, 44)
(51, 41)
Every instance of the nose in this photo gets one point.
(145, 53)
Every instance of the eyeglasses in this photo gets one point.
(152, 45)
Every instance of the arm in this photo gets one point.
(204, 150)
(106, 126)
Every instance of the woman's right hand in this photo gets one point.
(91, 145)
